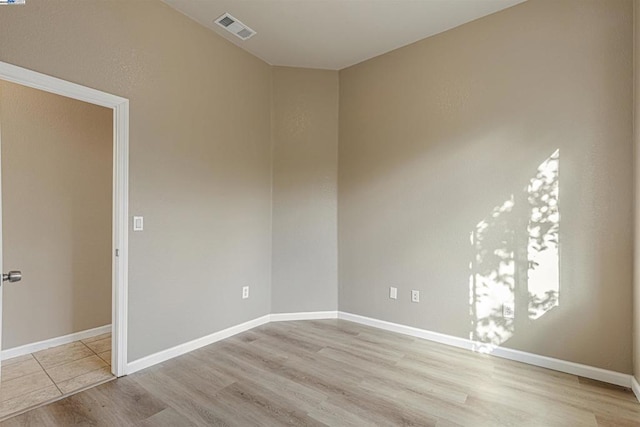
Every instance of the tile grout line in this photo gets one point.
(62, 364)
(84, 344)
(108, 362)
(73, 361)
(52, 400)
(61, 395)
(98, 354)
(30, 391)
(94, 352)
(46, 373)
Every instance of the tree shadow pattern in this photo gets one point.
(515, 261)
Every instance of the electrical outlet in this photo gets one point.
(415, 296)
(245, 292)
(508, 311)
(393, 293)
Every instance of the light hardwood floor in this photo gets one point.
(333, 372)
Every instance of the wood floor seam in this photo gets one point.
(339, 373)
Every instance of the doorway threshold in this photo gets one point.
(43, 377)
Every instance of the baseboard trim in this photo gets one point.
(586, 371)
(53, 342)
(604, 375)
(310, 315)
(181, 349)
(408, 330)
(635, 386)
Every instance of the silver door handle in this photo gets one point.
(12, 276)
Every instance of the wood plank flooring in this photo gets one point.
(338, 373)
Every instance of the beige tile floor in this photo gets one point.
(46, 375)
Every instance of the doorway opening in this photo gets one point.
(101, 348)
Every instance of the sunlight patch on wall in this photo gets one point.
(492, 281)
(543, 272)
(515, 266)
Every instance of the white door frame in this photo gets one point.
(120, 245)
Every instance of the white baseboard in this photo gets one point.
(408, 330)
(635, 386)
(181, 349)
(586, 371)
(53, 342)
(310, 315)
(604, 375)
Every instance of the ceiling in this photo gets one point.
(334, 34)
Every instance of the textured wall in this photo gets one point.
(56, 210)
(305, 175)
(452, 139)
(456, 155)
(200, 168)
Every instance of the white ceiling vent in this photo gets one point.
(235, 27)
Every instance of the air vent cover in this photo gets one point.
(235, 27)
(226, 21)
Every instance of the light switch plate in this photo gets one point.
(138, 223)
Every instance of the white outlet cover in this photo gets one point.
(415, 296)
(245, 292)
(508, 311)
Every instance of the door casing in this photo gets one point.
(120, 205)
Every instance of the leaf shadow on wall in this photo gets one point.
(515, 270)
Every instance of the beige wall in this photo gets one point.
(200, 168)
(56, 209)
(436, 135)
(305, 174)
(433, 137)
